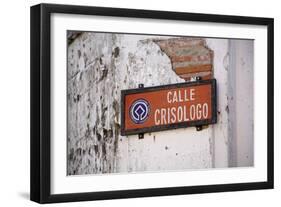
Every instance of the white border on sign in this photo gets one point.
(60, 183)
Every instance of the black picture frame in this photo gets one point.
(41, 102)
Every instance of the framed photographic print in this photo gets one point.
(133, 103)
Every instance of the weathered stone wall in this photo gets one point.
(100, 65)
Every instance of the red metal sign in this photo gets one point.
(168, 107)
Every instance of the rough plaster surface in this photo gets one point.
(100, 65)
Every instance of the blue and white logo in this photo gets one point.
(139, 111)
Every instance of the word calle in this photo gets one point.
(177, 96)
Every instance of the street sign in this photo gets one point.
(168, 107)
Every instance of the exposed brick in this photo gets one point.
(189, 57)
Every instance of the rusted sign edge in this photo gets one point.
(213, 120)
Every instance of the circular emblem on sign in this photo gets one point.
(139, 111)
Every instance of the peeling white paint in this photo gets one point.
(100, 65)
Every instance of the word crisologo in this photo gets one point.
(139, 111)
